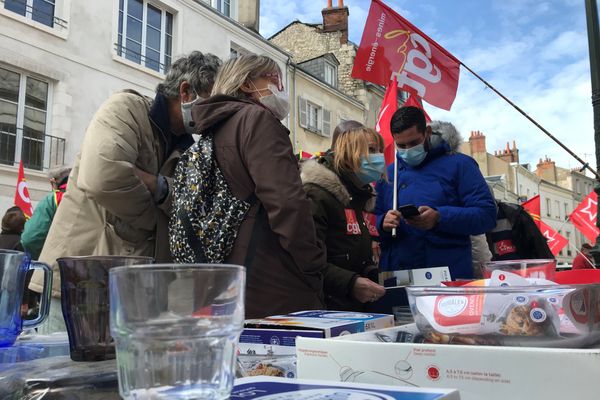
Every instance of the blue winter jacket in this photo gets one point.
(454, 186)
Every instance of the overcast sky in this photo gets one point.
(534, 52)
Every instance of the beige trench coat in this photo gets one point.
(107, 209)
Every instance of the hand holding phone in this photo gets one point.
(408, 211)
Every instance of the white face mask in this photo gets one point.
(186, 114)
(277, 102)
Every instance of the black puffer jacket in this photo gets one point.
(339, 204)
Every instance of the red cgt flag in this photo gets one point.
(22, 199)
(388, 108)
(392, 46)
(584, 217)
(415, 102)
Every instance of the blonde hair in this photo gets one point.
(237, 71)
(352, 145)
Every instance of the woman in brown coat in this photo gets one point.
(254, 153)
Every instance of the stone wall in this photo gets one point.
(305, 42)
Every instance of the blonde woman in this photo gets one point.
(338, 185)
(276, 240)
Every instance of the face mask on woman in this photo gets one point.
(371, 168)
(277, 102)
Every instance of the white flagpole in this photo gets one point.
(395, 193)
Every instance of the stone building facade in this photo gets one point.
(59, 64)
(305, 41)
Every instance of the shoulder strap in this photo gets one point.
(194, 242)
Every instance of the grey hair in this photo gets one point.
(59, 172)
(198, 69)
(236, 71)
(448, 132)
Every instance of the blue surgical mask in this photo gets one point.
(413, 156)
(371, 168)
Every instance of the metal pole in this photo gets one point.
(593, 28)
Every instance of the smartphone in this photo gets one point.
(409, 210)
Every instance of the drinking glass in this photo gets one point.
(176, 328)
(84, 301)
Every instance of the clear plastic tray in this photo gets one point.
(540, 316)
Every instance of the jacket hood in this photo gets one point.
(216, 109)
(445, 132)
(315, 172)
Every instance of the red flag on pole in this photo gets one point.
(388, 108)
(22, 199)
(533, 207)
(416, 102)
(584, 217)
(392, 46)
(555, 240)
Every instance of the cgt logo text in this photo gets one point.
(416, 64)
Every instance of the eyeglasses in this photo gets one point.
(276, 79)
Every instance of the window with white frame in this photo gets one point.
(23, 120)
(548, 205)
(41, 11)
(145, 34)
(224, 7)
(566, 211)
(557, 208)
(330, 75)
(569, 253)
(314, 117)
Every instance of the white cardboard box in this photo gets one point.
(270, 388)
(478, 372)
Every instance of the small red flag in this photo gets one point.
(584, 217)
(533, 207)
(555, 240)
(388, 108)
(392, 46)
(416, 102)
(22, 199)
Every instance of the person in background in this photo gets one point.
(12, 226)
(338, 185)
(452, 198)
(37, 227)
(118, 199)
(584, 259)
(516, 236)
(254, 154)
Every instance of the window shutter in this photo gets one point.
(326, 122)
(303, 112)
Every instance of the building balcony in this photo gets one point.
(37, 151)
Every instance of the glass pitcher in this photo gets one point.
(14, 266)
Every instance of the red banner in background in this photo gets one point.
(556, 242)
(388, 108)
(22, 199)
(414, 101)
(392, 46)
(584, 217)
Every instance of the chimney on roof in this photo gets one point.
(508, 154)
(335, 19)
(546, 169)
(249, 14)
(477, 142)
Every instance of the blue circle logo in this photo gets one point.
(521, 299)
(274, 340)
(428, 275)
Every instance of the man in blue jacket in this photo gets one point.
(452, 197)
